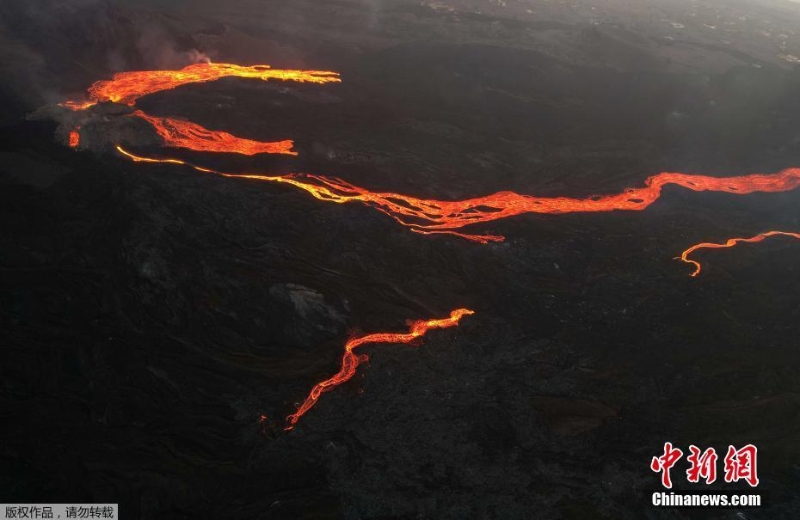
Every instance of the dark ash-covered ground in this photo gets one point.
(149, 315)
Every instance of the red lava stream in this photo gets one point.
(127, 87)
(185, 134)
(731, 242)
(351, 360)
(436, 216)
(425, 216)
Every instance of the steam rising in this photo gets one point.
(52, 49)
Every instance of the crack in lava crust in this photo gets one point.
(731, 242)
(350, 360)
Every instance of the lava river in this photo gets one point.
(426, 216)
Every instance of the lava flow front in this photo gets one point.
(185, 134)
(429, 216)
(350, 360)
(729, 243)
(127, 87)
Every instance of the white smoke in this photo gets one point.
(159, 51)
(51, 50)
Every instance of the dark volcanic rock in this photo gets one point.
(158, 324)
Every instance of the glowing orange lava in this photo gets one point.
(425, 216)
(185, 134)
(430, 216)
(127, 87)
(75, 137)
(729, 243)
(350, 360)
(78, 105)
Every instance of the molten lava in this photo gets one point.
(729, 243)
(425, 216)
(127, 87)
(429, 216)
(75, 137)
(185, 134)
(350, 360)
(78, 105)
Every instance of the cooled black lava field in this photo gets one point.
(158, 323)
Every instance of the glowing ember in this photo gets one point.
(729, 243)
(185, 134)
(127, 87)
(75, 137)
(350, 360)
(429, 216)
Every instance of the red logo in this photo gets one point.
(739, 464)
(702, 466)
(665, 462)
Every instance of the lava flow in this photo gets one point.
(350, 360)
(429, 216)
(127, 87)
(426, 216)
(75, 137)
(185, 134)
(729, 243)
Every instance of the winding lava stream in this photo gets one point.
(731, 242)
(350, 360)
(430, 216)
(127, 87)
(426, 216)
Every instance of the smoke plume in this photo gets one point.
(53, 49)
